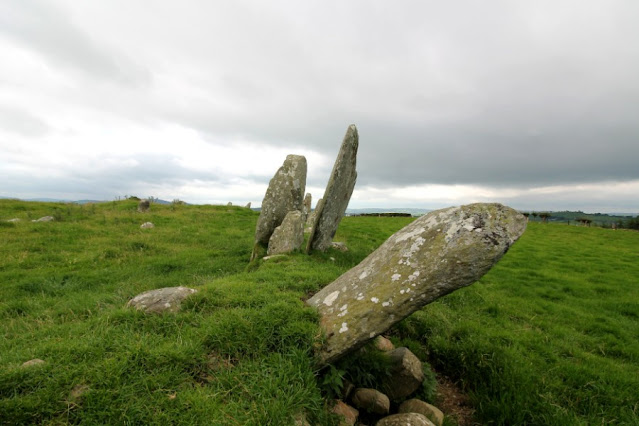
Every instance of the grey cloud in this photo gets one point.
(22, 122)
(50, 32)
(506, 94)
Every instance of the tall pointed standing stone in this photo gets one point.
(285, 193)
(329, 212)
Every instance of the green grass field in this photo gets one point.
(549, 336)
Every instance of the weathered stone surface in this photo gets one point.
(147, 225)
(33, 362)
(406, 374)
(310, 219)
(405, 419)
(15, 219)
(166, 299)
(383, 344)
(306, 205)
(371, 401)
(44, 219)
(248, 206)
(436, 254)
(289, 236)
(285, 193)
(144, 206)
(330, 210)
(339, 246)
(348, 413)
(433, 413)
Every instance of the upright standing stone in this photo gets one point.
(436, 254)
(289, 236)
(338, 193)
(306, 208)
(248, 206)
(285, 193)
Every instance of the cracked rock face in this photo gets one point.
(436, 254)
(331, 208)
(166, 299)
(285, 193)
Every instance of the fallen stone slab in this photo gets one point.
(44, 219)
(434, 255)
(331, 208)
(147, 225)
(166, 299)
(33, 362)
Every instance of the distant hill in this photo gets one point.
(411, 211)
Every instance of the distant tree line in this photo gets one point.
(632, 223)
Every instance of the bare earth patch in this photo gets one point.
(453, 402)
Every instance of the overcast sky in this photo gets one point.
(531, 104)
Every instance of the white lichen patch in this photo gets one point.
(413, 276)
(343, 308)
(167, 305)
(406, 235)
(371, 335)
(341, 314)
(360, 296)
(402, 291)
(363, 275)
(344, 328)
(396, 277)
(406, 256)
(374, 299)
(328, 300)
(385, 304)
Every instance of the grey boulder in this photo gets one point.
(166, 299)
(405, 419)
(434, 255)
(289, 236)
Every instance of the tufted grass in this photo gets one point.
(549, 336)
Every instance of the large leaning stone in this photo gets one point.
(331, 208)
(166, 299)
(285, 193)
(436, 254)
(289, 236)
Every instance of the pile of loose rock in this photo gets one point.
(389, 405)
